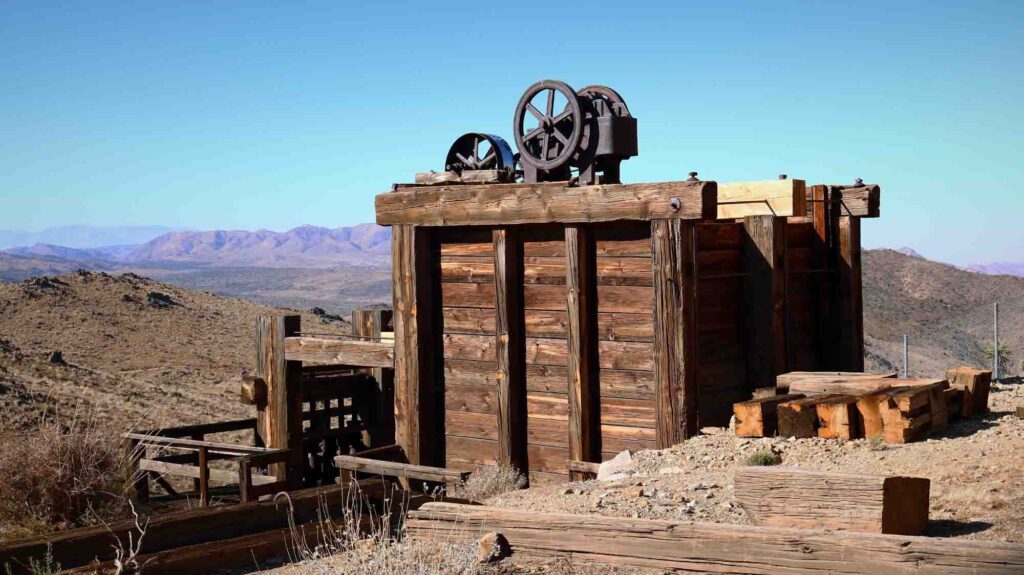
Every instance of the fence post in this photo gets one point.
(906, 358)
(995, 340)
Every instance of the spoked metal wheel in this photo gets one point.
(547, 137)
(475, 151)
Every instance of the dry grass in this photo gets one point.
(488, 482)
(366, 541)
(763, 459)
(62, 475)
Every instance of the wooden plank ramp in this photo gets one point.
(805, 498)
(684, 547)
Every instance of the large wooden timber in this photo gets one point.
(581, 363)
(791, 497)
(674, 332)
(369, 325)
(509, 340)
(857, 200)
(280, 423)
(683, 547)
(765, 298)
(415, 291)
(351, 352)
(850, 310)
(974, 383)
(759, 417)
(507, 204)
(832, 381)
(767, 198)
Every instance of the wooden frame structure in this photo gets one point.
(537, 324)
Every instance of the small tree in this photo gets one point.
(1005, 357)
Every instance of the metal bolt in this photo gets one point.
(693, 176)
(675, 204)
(859, 182)
(783, 176)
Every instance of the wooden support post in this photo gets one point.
(195, 482)
(204, 477)
(821, 209)
(848, 295)
(765, 294)
(584, 399)
(674, 331)
(369, 323)
(510, 349)
(280, 423)
(418, 407)
(141, 483)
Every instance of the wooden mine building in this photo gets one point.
(540, 324)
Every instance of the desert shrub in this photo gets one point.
(62, 475)
(488, 482)
(763, 458)
(365, 541)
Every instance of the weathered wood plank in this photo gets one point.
(809, 382)
(414, 254)
(370, 324)
(614, 383)
(581, 343)
(686, 547)
(765, 297)
(674, 331)
(463, 177)
(624, 271)
(849, 296)
(508, 204)
(858, 201)
(354, 463)
(804, 498)
(509, 340)
(765, 198)
(280, 424)
(351, 352)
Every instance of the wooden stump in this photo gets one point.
(803, 498)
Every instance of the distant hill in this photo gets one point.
(999, 268)
(82, 236)
(15, 268)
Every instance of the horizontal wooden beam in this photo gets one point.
(857, 201)
(806, 498)
(680, 546)
(393, 469)
(820, 381)
(194, 444)
(353, 352)
(765, 198)
(183, 470)
(507, 204)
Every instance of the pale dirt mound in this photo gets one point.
(135, 351)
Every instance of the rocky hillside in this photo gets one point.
(126, 349)
(945, 311)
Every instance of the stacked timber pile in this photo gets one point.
(843, 405)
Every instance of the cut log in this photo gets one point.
(808, 382)
(799, 418)
(683, 547)
(975, 383)
(789, 497)
(759, 417)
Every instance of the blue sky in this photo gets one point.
(236, 115)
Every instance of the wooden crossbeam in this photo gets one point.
(403, 471)
(507, 204)
(765, 198)
(351, 352)
(683, 547)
